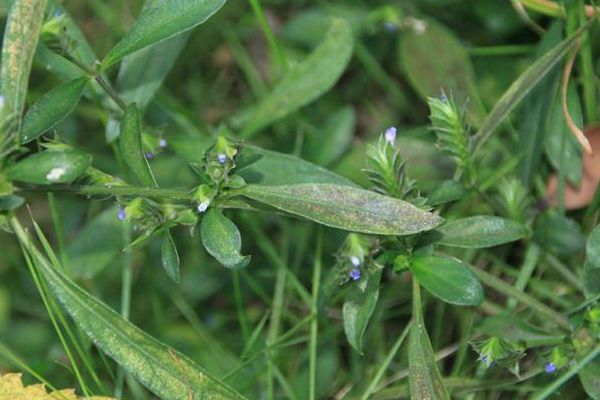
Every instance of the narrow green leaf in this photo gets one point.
(358, 307)
(480, 232)
(510, 326)
(21, 35)
(167, 373)
(446, 192)
(448, 279)
(424, 377)
(345, 207)
(130, 142)
(50, 167)
(52, 108)
(434, 60)
(306, 81)
(222, 240)
(523, 85)
(161, 21)
(170, 258)
(591, 267)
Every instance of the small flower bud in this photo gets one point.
(222, 158)
(149, 156)
(57, 14)
(355, 261)
(162, 143)
(1, 102)
(550, 368)
(355, 274)
(390, 135)
(122, 213)
(390, 27)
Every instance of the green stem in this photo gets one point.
(126, 277)
(112, 191)
(101, 81)
(532, 256)
(314, 308)
(274, 48)
(386, 363)
(535, 305)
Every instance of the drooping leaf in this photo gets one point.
(142, 73)
(562, 147)
(222, 239)
(161, 21)
(52, 108)
(275, 169)
(306, 81)
(345, 207)
(533, 118)
(358, 308)
(424, 377)
(435, 60)
(167, 373)
(10, 202)
(448, 279)
(590, 379)
(11, 387)
(130, 142)
(21, 35)
(559, 234)
(480, 232)
(95, 245)
(170, 258)
(50, 167)
(335, 139)
(591, 267)
(523, 85)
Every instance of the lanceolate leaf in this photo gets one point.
(345, 207)
(358, 308)
(161, 21)
(21, 35)
(222, 239)
(448, 279)
(50, 167)
(131, 146)
(170, 258)
(307, 80)
(423, 376)
(591, 267)
(480, 232)
(52, 108)
(168, 374)
(519, 89)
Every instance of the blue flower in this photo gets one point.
(444, 98)
(149, 156)
(122, 213)
(222, 158)
(355, 274)
(391, 27)
(1, 102)
(203, 206)
(355, 261)
(57, 14)
(162, 143)
(550, 368)
(390, 135)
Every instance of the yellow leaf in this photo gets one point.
(11, 388)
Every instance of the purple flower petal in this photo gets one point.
(149, 156)
(355, 261)
(355, 274)
(222, 158)
(122, 213)
(550, 368)
(203, 206)
(162, 143)
(390, 135)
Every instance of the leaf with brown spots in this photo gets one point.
(12, 388)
